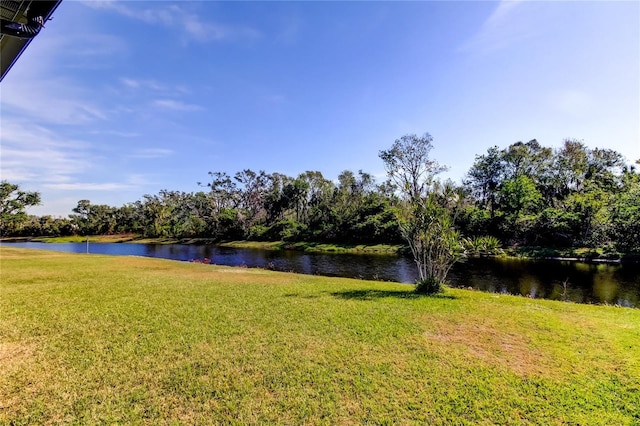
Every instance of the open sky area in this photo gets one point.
(114, 100)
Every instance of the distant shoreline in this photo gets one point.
(585, 255)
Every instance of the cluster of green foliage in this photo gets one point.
(91, 339)
(485, 245)
(523, 195)
(13, 204)
(528, 194)
(250, 206)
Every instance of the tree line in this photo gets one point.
(525, 194)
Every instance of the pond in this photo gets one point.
(558, 280)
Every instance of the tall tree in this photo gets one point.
(409, 167)
(485, 176)
(13, 205)
(625, 212)
(223, 190)
(570, 167)
(252, 188)
(520, 199)
(275, 203)
(425, 223)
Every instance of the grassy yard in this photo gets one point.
(97, 339)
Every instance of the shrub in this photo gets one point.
(258, 232)
(288, 230)
(482, 245)
(429, 286)
(490, 244)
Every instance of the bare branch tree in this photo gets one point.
(423, 209)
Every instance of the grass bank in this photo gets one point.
(577, 253)
(101, 339)
(117, 238)
(263, 245)
(316, 247)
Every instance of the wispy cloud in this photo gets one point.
(138, 84)
(575, 103)
(55, 101)
(34, 153)
(36, 88)
(38, 155)
(93, 46)
(117, 133)
(151, 153)
(151, 85)
(87, 186)
(508, 24)
(178, 18)
(56, 205)
(45, 109)
(93, 51)
(174, 105)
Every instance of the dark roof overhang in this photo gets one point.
(12, 47)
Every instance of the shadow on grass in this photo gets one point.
(380, 294)
(307, 296)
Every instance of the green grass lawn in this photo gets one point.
(92, 339)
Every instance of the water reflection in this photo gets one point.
(605, 287)
(529, 285)
(578, 282)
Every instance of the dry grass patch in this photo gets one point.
(7, 253)
(24, 376)
(13, 356)
(488, 345)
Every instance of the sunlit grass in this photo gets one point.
(100, 339)
(316, 247)
(117, 238)
(261, 245)
(601, 254)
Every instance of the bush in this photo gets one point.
(258, 232)
(475, 221)
(429, 286)
(286, 230)
(487, 245)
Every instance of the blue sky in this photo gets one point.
(114, 100)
